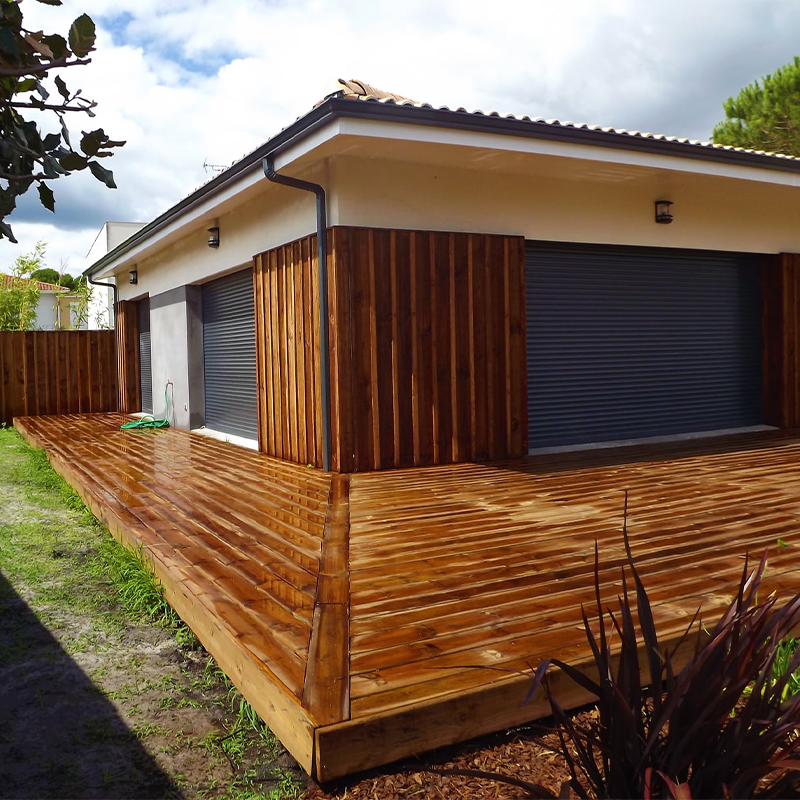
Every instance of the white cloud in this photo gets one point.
(197, 80)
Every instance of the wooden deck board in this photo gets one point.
(455, 567)
(243, 578)
(356, 613)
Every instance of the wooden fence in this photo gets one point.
(56, 372)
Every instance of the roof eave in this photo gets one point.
(300, 128)
(334, 107)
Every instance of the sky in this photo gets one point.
(189, 83)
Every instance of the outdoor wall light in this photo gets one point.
(213, 236)
(134, 277)
(663, 214)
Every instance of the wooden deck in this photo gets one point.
(353, 610)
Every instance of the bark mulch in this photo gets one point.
(525, 753)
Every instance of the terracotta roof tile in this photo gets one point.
(8, 281)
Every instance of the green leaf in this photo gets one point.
(13, 14)
(8, 202)
(57, 44)
(62, 87)
(73, 162)
(102, 174)
(65, 131)
(8, 43)
(35, 42)
(782, 543)
(82, 36)
(51, 167)
(92, 142)
(5, 230)
(51, 141)
(25, 85)
(47, 198)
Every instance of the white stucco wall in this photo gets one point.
(101, 300)
(46, 312)
(269, 217)
(572, 203)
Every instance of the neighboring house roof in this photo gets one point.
(359, 100)
(9, 281)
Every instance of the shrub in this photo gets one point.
(725, 725)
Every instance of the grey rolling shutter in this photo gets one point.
(229, 355)
(626, 343)
(145, 363)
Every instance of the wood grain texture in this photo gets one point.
(371, 616)
(56, 372)
(237, 549)
(429, 348)
(780, 291)
(127, 332)
(326, 692)
(459, 567)
(286, 285)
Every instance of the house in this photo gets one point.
(490, 285)
(52, 308)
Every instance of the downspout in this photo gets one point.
(322, 258)
(113, 287)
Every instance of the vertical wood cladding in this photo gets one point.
(286, 291)
(427, 356)
(127, 332)
(781, 337)
(56, 372)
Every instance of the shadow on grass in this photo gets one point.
(59, 735)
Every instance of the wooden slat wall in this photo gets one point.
(56, 372)
(427, 353)
(130, 390)
(781, 340)
(427, 348)
(286, 289)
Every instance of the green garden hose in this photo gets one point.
(144, 423)
(148, 422)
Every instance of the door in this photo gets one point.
(627, 343)
(229, 355)
(145, 361)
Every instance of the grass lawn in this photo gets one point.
(105, 692)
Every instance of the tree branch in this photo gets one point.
(42, 68)
(50, 107)
(19, 178)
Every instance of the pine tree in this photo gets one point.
(766, 114)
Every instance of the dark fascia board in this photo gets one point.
(335, 107)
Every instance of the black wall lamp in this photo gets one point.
(134, 277)
(213, 236)
(663, 214)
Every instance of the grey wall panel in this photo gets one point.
(145, 359)
(229, 355)
(628, 342)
